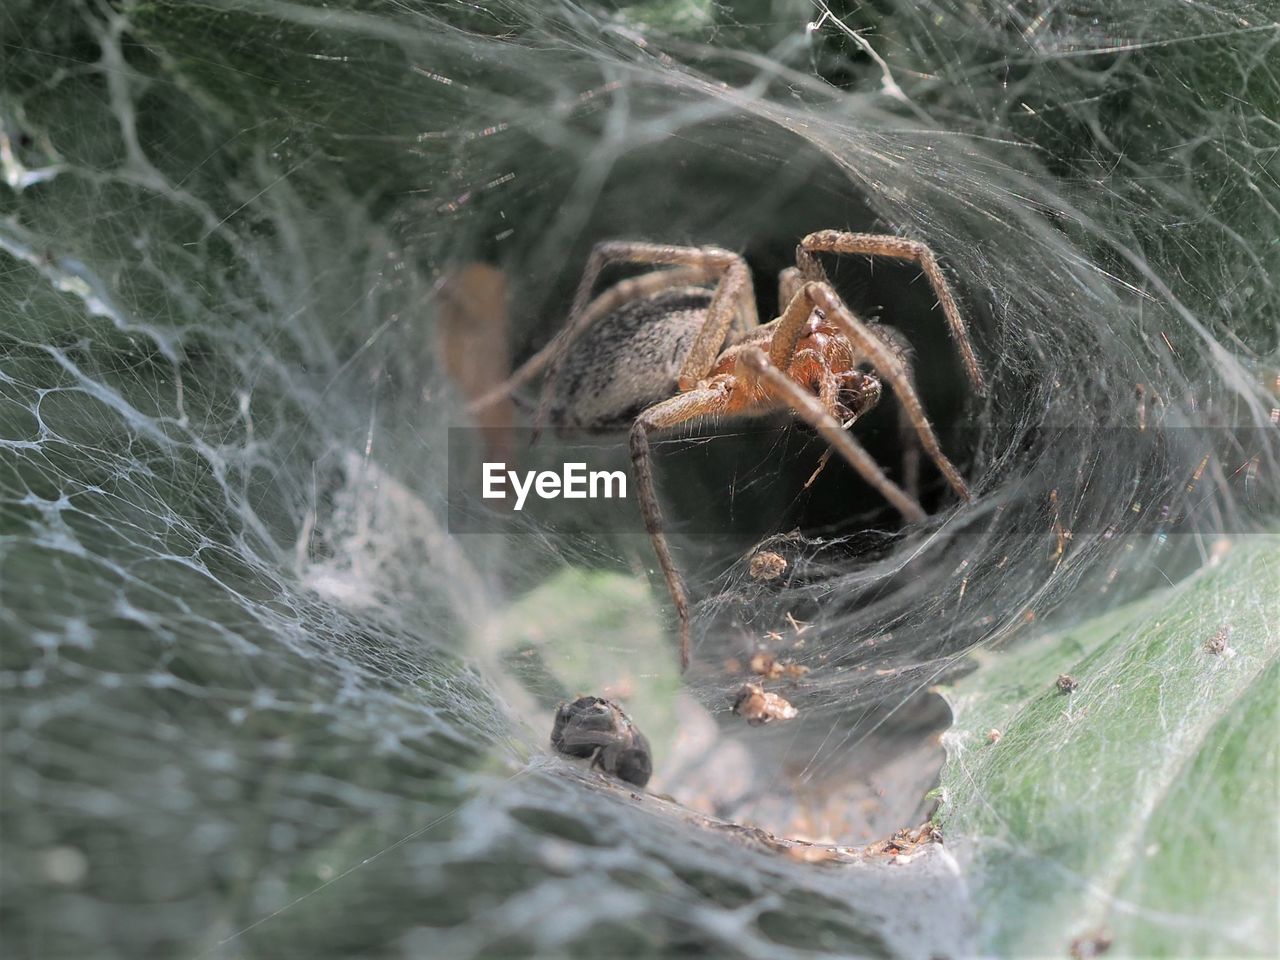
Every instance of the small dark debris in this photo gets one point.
(1066, 683)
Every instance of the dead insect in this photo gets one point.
(994, 735)
(1066, 683)
(757, 707)
(661, 349)
(598, 728)
(1218, 642)
(767, 565)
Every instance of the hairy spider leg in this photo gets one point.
(910, 450)
(789, 282)
(896, 341)
(887, 362)
(624, 291)
(789, 328)
(669, 413)
(897, 248)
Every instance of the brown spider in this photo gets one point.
(661, 350)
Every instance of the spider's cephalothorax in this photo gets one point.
(683, 343)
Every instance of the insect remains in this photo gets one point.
(767, 565)
(598, 728)
(1219, 643)
(683, 343)
(757, 707)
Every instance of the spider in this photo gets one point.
(683, 343)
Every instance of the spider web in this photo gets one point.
(257, 699)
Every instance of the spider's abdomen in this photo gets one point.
(628, 360)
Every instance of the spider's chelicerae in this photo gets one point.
(683, 343)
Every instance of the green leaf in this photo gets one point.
(1142, 803)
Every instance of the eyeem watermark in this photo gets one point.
(1139, 480)
(573, 482)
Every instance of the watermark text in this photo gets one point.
(573, 482)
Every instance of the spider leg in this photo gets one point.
(632, 288)
(786, 334)
(829, 397)
(668, 413)
(733, 291)
(900, 345)
(808, 408)
(889, 363)
(789, 283)
(898, 248)
(910, 452)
